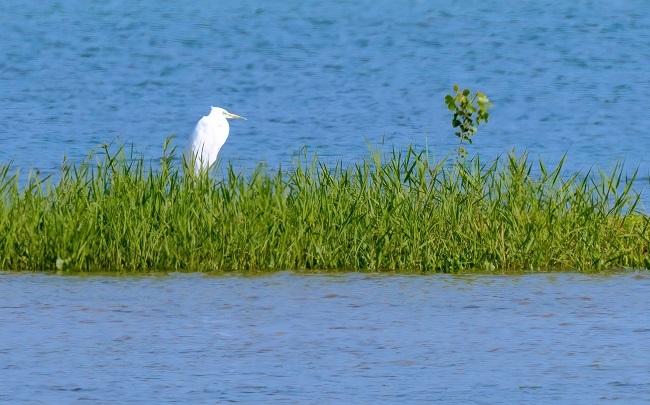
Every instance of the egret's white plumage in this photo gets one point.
(208, 137)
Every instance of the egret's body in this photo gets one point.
(208, 137)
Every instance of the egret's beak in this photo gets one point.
(231, 115)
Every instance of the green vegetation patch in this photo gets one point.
(400, 212)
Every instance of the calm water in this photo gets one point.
(318, 339)
(564, 76)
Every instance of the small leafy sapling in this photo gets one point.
(469, 110)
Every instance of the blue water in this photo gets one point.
(330, 76)
(564, 77)
(353, 339)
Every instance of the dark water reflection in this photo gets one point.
(341, 339)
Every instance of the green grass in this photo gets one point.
(399, 213)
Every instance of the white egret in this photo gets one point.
(208, 137)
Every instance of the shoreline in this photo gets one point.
(397, 213)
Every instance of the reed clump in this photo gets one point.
(400, 212)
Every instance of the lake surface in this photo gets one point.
(325, 339)
(564, 77)
(329, 76)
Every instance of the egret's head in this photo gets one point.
(217, 110)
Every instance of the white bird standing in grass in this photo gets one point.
(208, 137)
